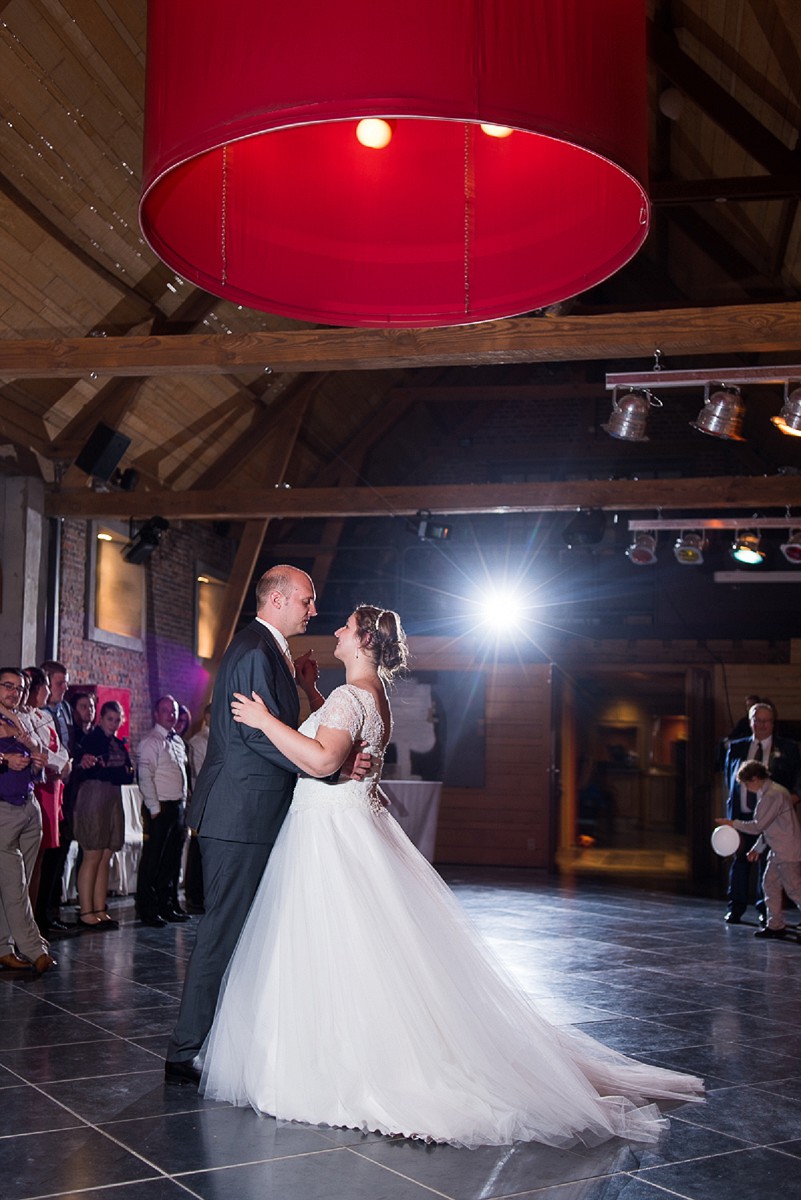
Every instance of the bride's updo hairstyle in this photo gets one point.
(382, 637)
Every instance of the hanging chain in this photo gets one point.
(468, 215)
(224, 215)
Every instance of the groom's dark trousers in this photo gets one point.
(239, 802)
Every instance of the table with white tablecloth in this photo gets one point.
(414, 803)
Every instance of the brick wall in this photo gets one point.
(168, 663)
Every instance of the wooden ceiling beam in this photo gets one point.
(719, 492)
(757, 328)
(738, 188)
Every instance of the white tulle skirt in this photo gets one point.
(360, 995)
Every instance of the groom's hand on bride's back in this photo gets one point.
(358, 763)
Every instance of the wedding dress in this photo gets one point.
(360, 995)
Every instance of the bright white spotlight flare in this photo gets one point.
(507, 609)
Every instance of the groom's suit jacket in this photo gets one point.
(244, 787)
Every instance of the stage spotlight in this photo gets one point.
(586, 528)
(689, 549)
(746, 549)
(429, 530)
(504, 608)
(145, 541)
(789, 419)
(629, 415)
(722, 414)
(791, 549)
(642, 551)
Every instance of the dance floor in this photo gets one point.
(661, 977)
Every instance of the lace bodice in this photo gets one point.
(354, 709)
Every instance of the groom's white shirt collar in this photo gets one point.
(283, 644)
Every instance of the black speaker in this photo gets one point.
(103, 451)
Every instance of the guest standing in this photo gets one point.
(162, 782)
(20, 835)
(99, 819)
(49, 789)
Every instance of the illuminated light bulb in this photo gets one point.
(104, 537)
(746, 549)
(791, 549)
(789, 419)
(642, 551)
(497, 131)
(374, 132)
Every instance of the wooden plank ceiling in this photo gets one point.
(94, 328)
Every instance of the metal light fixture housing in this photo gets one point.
(689, 549)
(746, 548)
(629, 415)
(642, 551)
(142, 544)
(791, 549)
(722, 414)
(789, 419)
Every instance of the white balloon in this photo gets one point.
(725, 840)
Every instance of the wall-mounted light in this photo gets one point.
(791, 549)
(642, 551)
(789, 419)
(144, 542)
(746, 548)
(722, 414)
(689, 549)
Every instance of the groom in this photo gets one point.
(241, 795)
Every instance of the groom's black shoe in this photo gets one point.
(181, 1072)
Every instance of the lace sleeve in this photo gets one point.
(342, 710)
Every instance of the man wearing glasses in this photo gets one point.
(20, 833)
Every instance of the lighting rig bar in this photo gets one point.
(693, 523)
(676, 379)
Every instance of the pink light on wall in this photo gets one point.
(257, 188)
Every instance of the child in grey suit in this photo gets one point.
(776, 822)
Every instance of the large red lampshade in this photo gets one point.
(257, 189)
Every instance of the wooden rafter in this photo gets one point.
(622, 494)
(667, 192)
(758, 328)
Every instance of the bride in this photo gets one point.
(359, 994)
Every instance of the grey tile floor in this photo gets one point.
(84, 1111)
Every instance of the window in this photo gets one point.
(115, 609)
(210, 596)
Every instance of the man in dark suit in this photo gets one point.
(782, 758)
(241, 795)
